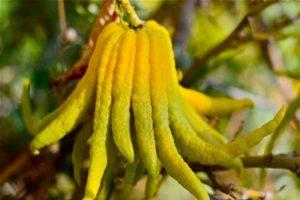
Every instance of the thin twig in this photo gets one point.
(62, 18)
(14, 166)
(227, 42)
(48, 179)
(268, 33)
(291, 110)
(215, 184)
(289, 162)
(63, 30)
(106, 14)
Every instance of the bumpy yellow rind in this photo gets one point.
(243, 144)
(122, 90)
(209, 106)
(185, 137)
(98, 150)
(166, 148)
(75, 109)
(141, 105)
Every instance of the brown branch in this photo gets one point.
(226, 43)
(238, 193)
(38, 172)
(62, 18)
(281, 161)
(289, 162)
(227, 189)
(106, 14)
(18, 163)
(279, 25)
(267, 33)
(36, 169)
(48, 178)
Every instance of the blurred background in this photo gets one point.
(238, 48)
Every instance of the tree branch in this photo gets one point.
(290, 161)
(62, 18)
(281, 161)
(106, 14)
(14, 166)
(227, 42)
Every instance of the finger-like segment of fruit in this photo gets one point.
(244, 143)
(122, 90)
(152, 186)
(129, 179)
(202, 129)
(32, 123)
(207, 105)
(76, 107)
(165, 145)
(141, 105)
(94, 61)
(187, 140)
(293, 107)
(80, 148)
(185, 137)
(154, 25)
(98, 149)
(27, 114)
(73, 113)
(194, 147)
(113, 165)
(43, 122)
(290, 113)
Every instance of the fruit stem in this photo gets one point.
(127, 13)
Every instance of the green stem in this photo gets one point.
(126, 12)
